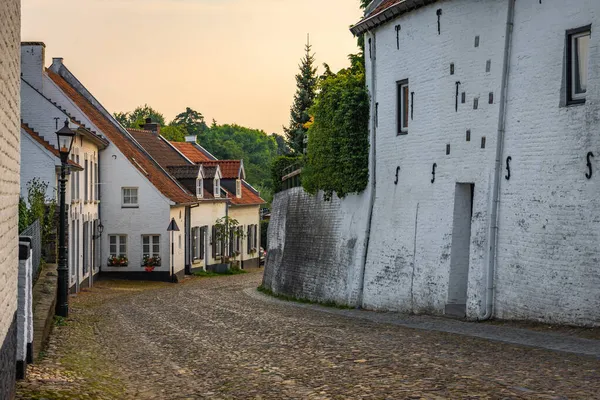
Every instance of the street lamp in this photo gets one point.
(65, 138)
(173, 228)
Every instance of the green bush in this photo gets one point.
(282, 166)
(338, 140)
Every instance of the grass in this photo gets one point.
(284, 297)
(209, 274)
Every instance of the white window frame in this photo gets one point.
(403, 106)
(130, 204)
(196, 237)
(199, 188)
(119, 241)
(217, 187)
(574, 63)
(238, 188)
(153, 240)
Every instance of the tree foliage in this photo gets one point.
(138, 116)
(38, 206)
(338, 141)
(191, 121)
(306, 86)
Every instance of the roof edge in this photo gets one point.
(388, 14)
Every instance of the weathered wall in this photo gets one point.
(316, 247)
(10, 28)
(549, 213)
(549, 253)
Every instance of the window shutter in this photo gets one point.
(255, 236)
(249, 238)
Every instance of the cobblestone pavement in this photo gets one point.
(212, 338)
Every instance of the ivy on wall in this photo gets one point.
(282, 166)
(337, 159)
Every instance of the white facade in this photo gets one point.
(38, 111)
(432, 243)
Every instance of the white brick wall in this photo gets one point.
(9, 159)
(549, 214)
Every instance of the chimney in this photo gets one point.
(32, 63)
(151, 126)
(190, 139)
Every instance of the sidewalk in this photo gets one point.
(525, 337)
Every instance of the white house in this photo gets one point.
(10, 31)
(483, 193)
(43, 111)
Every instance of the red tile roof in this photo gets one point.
(383, 6)
(230, 169)
(38, 138)
(192, 152)
(145, 164)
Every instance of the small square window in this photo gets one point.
(578, 55)
(199, 188)
(130, 197)
(403, 107)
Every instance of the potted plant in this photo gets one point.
(114, 261)
(149, 263)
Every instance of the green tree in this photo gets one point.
(173, 133)
(191, 121)
(282, 147)
(306, 86)
(338, 145)
(138, 116)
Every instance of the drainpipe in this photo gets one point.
(373, 166)
(494, 220)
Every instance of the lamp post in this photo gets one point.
(173, 228)
(65, 138)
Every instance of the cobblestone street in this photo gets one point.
(217, 338)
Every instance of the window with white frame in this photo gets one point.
(402, 107)
(198, 243)
(72, 179)
(199, 188)
(117, 245)
(150, 245)
(217, 188)
(77, 181)
(85, 180)
(130, 197)
(578, 55)
(238, 188)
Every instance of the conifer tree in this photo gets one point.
(306, 83)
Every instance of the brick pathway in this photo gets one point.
(211, 339)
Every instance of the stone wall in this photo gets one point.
(419, 258)
(10, 28)
(316, 247)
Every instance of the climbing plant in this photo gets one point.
(338, 140)
(282, 166)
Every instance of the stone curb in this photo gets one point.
(44, 301)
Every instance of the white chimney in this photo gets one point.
(32, 63)
(190, 139)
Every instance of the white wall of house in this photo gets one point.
(410, 250)
(151, 217)
(38, 162)
(206, 214)
(549, 212)
(247, 215)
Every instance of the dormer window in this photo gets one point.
(199, 188)
(238, 188)
(217, 188)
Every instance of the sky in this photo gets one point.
(235, 61)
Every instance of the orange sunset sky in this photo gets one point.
(232, 60)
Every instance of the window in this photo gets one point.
(238, 188)
(578, 43)
(117, 245)
(198, 235)
(150, 246)
(403, 108)
(216, 244)
(199, 188)
(77, 182)
(252, 238)
(72, 179)
(217, 188)
(130, 197)
(85, 181)
(96, 186)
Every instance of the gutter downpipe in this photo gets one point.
(373, 166)
(494, 219)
